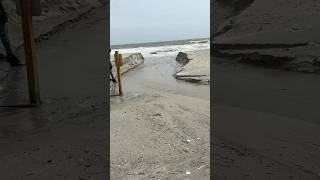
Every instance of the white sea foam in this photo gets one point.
(166, 50)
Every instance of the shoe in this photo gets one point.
(14, 61)
(113, 80)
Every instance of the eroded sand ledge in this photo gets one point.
(253, 35)
(56, 16)
(193, 66)
(131, 61)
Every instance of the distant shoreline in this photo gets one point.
(156, 44)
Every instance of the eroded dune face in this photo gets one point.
(52, 8)
(54, 13)
(193, 66)
(259, 22)
(223, 10)
(279, 34)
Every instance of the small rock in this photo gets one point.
(316, 61)
(157, 114)
(47, 162)
(186, 150)
(182, 58)
(45, 36)
(30, 174)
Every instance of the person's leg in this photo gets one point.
(112, 77)
(5, 40)
(11, 58)
(111, 74)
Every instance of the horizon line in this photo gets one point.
(159, 41)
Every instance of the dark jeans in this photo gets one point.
(112, 77)
(5, 39)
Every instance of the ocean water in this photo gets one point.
(160, 49)
(156, 74)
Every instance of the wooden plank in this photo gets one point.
(120, 78)
(117, 58)
(30, 53)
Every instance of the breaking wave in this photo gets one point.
(166, 50)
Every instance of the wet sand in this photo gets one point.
(266, 123)
(160, 128)
(156, 76)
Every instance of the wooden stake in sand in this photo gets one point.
(30, 52)
(118, 60)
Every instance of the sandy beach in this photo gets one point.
(160, 127)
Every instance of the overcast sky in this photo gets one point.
(136, 21)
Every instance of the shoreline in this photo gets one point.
(157, 43)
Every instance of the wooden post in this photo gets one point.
(118, 59)
(30, 53)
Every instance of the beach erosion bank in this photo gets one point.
(193, 66)
(192, 57)
(266, 122)
(252, 34)
(55, 16)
